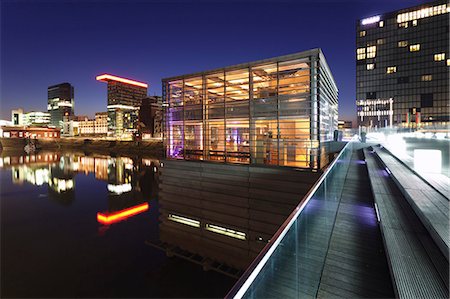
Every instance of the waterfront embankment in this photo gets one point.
(152, 148)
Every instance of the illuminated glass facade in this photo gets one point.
(60, 103)
(279, 111)
(404, 56)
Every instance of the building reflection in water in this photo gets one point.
(130, 182)
(221, 217)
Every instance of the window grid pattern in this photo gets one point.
(405, 86)
(279, 113)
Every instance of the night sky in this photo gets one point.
(50, 42)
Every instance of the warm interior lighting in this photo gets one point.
(391, 69)
(107, 77)
(371, 51)
(225, 231)
(121, 215)
(361, 53)
(422, 13)
(439, 57)
(184, 220)
(402, 43)
(414, 48)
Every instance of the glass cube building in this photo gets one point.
(280, 111)
(402, 67)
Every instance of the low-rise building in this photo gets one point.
(101, 123)
(17, 117)
(29, 132)
(345, 124)
(32, 118)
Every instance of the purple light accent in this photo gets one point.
(365, 214)
(383, 173)
(235, 136)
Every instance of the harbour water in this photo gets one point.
(77, 225)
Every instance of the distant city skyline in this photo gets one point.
(46, 43)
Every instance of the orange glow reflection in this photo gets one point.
(121, 215)
(106, 77)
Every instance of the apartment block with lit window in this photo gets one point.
(402, 67)
(280, 111)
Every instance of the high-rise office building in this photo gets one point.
(124, 100)
(402, 67)
(60, 103)
(278, 111)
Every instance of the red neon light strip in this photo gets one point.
(121, 215)
(106, 77)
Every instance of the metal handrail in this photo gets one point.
(258, 263)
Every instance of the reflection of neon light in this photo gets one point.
(225, 231)
(121, 215)
(106, 77)
(119, 189)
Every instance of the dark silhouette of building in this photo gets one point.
(150, 116)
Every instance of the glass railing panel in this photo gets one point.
(291, 264)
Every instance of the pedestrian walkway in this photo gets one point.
(355, 264)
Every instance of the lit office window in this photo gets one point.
(184, 220)
(371, 51)
(362, 33)
(448, 62)
(422, 13)
(361, 53)
(414, 48)
(403, 25)
(370, 66)
(402, 43)
(380, 41)
(225, 231)
(439, 57)
(381, 24)
(427, 77)
(391, 69)
(414, 23)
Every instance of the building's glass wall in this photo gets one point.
(260, 114)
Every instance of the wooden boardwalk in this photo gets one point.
(419, 269)
(429, 204)
(308, 264)
(438, 181)
(355, 264)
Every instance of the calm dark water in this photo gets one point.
(65, 231)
